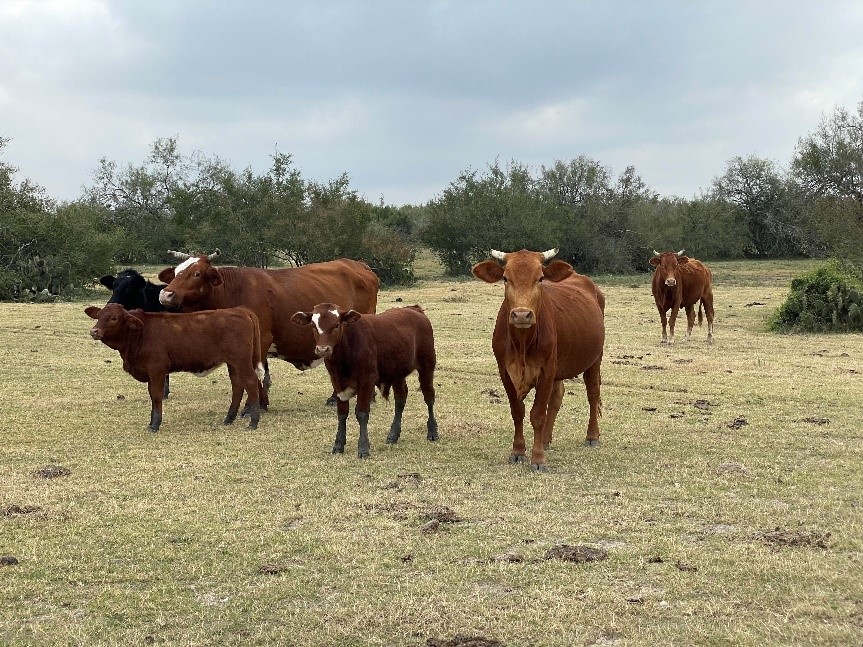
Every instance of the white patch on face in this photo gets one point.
(347, 394)
(185, 265)
(316, 319)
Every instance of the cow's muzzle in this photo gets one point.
(95, 333)
(522, 317)
(166, 298)
(671, 282)
(323, 351)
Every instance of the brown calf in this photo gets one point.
(680, 281)
(153, 344)
(365, 351)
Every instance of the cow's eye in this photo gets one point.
(541, 279)
(197, 275)
(504, 279)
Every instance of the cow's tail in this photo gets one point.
(385, 391)
(700, 311)
(256, 346)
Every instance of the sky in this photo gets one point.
(405, 95)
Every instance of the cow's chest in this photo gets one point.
(524, 375)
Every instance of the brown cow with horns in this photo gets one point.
(550, 327)
(274, 296)
(680, 281)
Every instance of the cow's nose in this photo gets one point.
(323, 351)
(521, 317)
(165, 298)
(95, 333)
(671, 282)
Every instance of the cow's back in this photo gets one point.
(697, 279)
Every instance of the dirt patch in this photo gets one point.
(408, 479)
(577, 554)
(652, 367)
(683, 566)
(493, 395)
(704, 405)
(738, 423)
(431, 527)
(731, 469)
(442, 513)
(52, 471)
(272, 569)
(508, 557)
(8, 560)
(461, 640)
(649, 409)
(403, 510)
(781, 537)
(815, 420)
(14, 509)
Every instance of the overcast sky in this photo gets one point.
(403, 95)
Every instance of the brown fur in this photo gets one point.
(692, 284)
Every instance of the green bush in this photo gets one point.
(827, 299)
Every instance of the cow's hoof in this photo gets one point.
(432, 437)
(392, 438)
(152, 430)
(253, 426)
(331, 401)
(338, 450)
(517, 458)
(538, 467)
(363, 454)
(228, 421)
(546, 446)
(591, 443)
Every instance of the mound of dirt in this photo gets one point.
(52, 471)
(577, 554)
(460, 640)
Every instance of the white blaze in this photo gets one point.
(185, 264)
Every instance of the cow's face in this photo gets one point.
(112, 321)
(666, 265)
(190, 282)
(126, 288)
(327, 322)
(523, 273)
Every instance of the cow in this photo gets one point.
(272, 294)
(364, 351)
(550, 327)
(680, 281)
(153, 344)
(132, 291)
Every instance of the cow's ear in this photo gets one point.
(166, 275)
(92, 312)
(654, 260)
(488, 271)
(557, 271)
(301, 318)
(350, 316)
(133, 322)
(214, 276)
(107, 281)
(682, 259)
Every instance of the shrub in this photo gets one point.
(827, 299)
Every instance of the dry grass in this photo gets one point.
(726, 493)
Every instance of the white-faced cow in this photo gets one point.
(273, 295)
(132, 291)
(362, 352)
(680, 281)
(550, 327)
(153, 344)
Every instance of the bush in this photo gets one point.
(827, 299)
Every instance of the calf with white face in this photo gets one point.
(364, 351)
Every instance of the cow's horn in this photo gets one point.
(214, 254)
(680, 253)
(501, 256)
(551, 253)
(655, 253)
(181, 255)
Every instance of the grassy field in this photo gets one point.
(726, 496)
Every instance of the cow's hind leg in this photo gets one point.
(554, 403)
(690, 321)
(592, 382)
(156, 388)
(236, 397)
(426, 377)
(707, 302)
(400, 397)
(167, 391)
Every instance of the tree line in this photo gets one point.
(601, 222)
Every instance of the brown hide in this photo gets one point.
(681, 282)
(273, 295)
(550, 327)
(154, 344)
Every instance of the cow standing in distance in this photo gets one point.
(153, 344)
(362, 352)
(550, 327)
(273, 295)
(680, 281)
(132, 291)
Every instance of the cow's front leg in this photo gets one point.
(364, 449)
(538, 417)
(664, 319)
(690, 322)
(156, 388)
(516, 410)
(554, 403)
(592, 383)
(236, 396)
(342, 430)
(671, 321)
